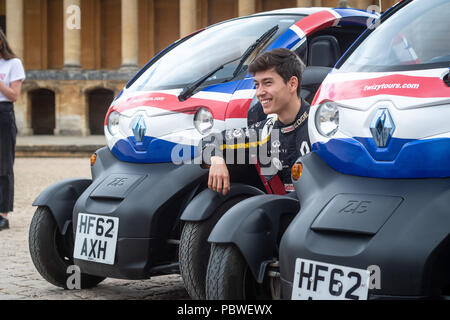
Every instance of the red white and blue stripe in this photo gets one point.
(169, 122)
(419, 104)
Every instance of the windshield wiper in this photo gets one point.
(189, 90)
(266, 35)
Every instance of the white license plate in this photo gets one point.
(314, 280)
(96, 238)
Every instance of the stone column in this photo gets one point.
(130, 35)
(72, 34)
(246, 7)
(305, 3)
(188, 17)
(14, 26)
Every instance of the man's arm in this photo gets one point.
(219, 177)
(214, 153)
(231, 146)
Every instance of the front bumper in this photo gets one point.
(133, 260)
(287, 290)
(400, 225)
(148, 200)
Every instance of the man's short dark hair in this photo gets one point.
(285, 62)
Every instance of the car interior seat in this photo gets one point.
(323, 51)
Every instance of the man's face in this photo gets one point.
(273, 93)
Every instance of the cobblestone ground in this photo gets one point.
(18, 276)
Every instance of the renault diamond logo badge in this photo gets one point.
(139, 128)
(382, 128)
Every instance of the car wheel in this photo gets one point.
(52, 253)
(194, 250)
(229, 277)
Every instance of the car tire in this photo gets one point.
(52, 253)
(194, 250)
(229, 277)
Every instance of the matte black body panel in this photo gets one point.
(253, 225)
(60, 199)
(148, 200)
(207, 201)
(409, 241)
(117, 186)
(359, 213)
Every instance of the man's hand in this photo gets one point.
(219, 177)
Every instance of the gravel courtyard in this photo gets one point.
(18, 276)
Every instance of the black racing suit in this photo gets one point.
(271, 145)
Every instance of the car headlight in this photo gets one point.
(327, 119)
(203, 121)
(113, 122)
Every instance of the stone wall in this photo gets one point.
(108, 41)
(71, 91)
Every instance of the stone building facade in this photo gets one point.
(78, 54)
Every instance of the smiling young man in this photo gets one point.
(281, 139)
(272, 145)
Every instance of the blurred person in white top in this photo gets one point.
(12, 75)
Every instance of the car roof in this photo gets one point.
(299, 11)
(302, 11)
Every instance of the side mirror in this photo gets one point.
(311, 81)
(313, 76)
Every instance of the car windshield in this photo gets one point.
(414, 38)
(207, 50)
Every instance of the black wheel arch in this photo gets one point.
(254, 226)
(60, 199)
(206, 202)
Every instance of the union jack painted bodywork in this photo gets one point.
(419, 104)
(391, 143)
(170, 122)
(374, 190)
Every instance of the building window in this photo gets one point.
(99, 101)
(42, 111)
